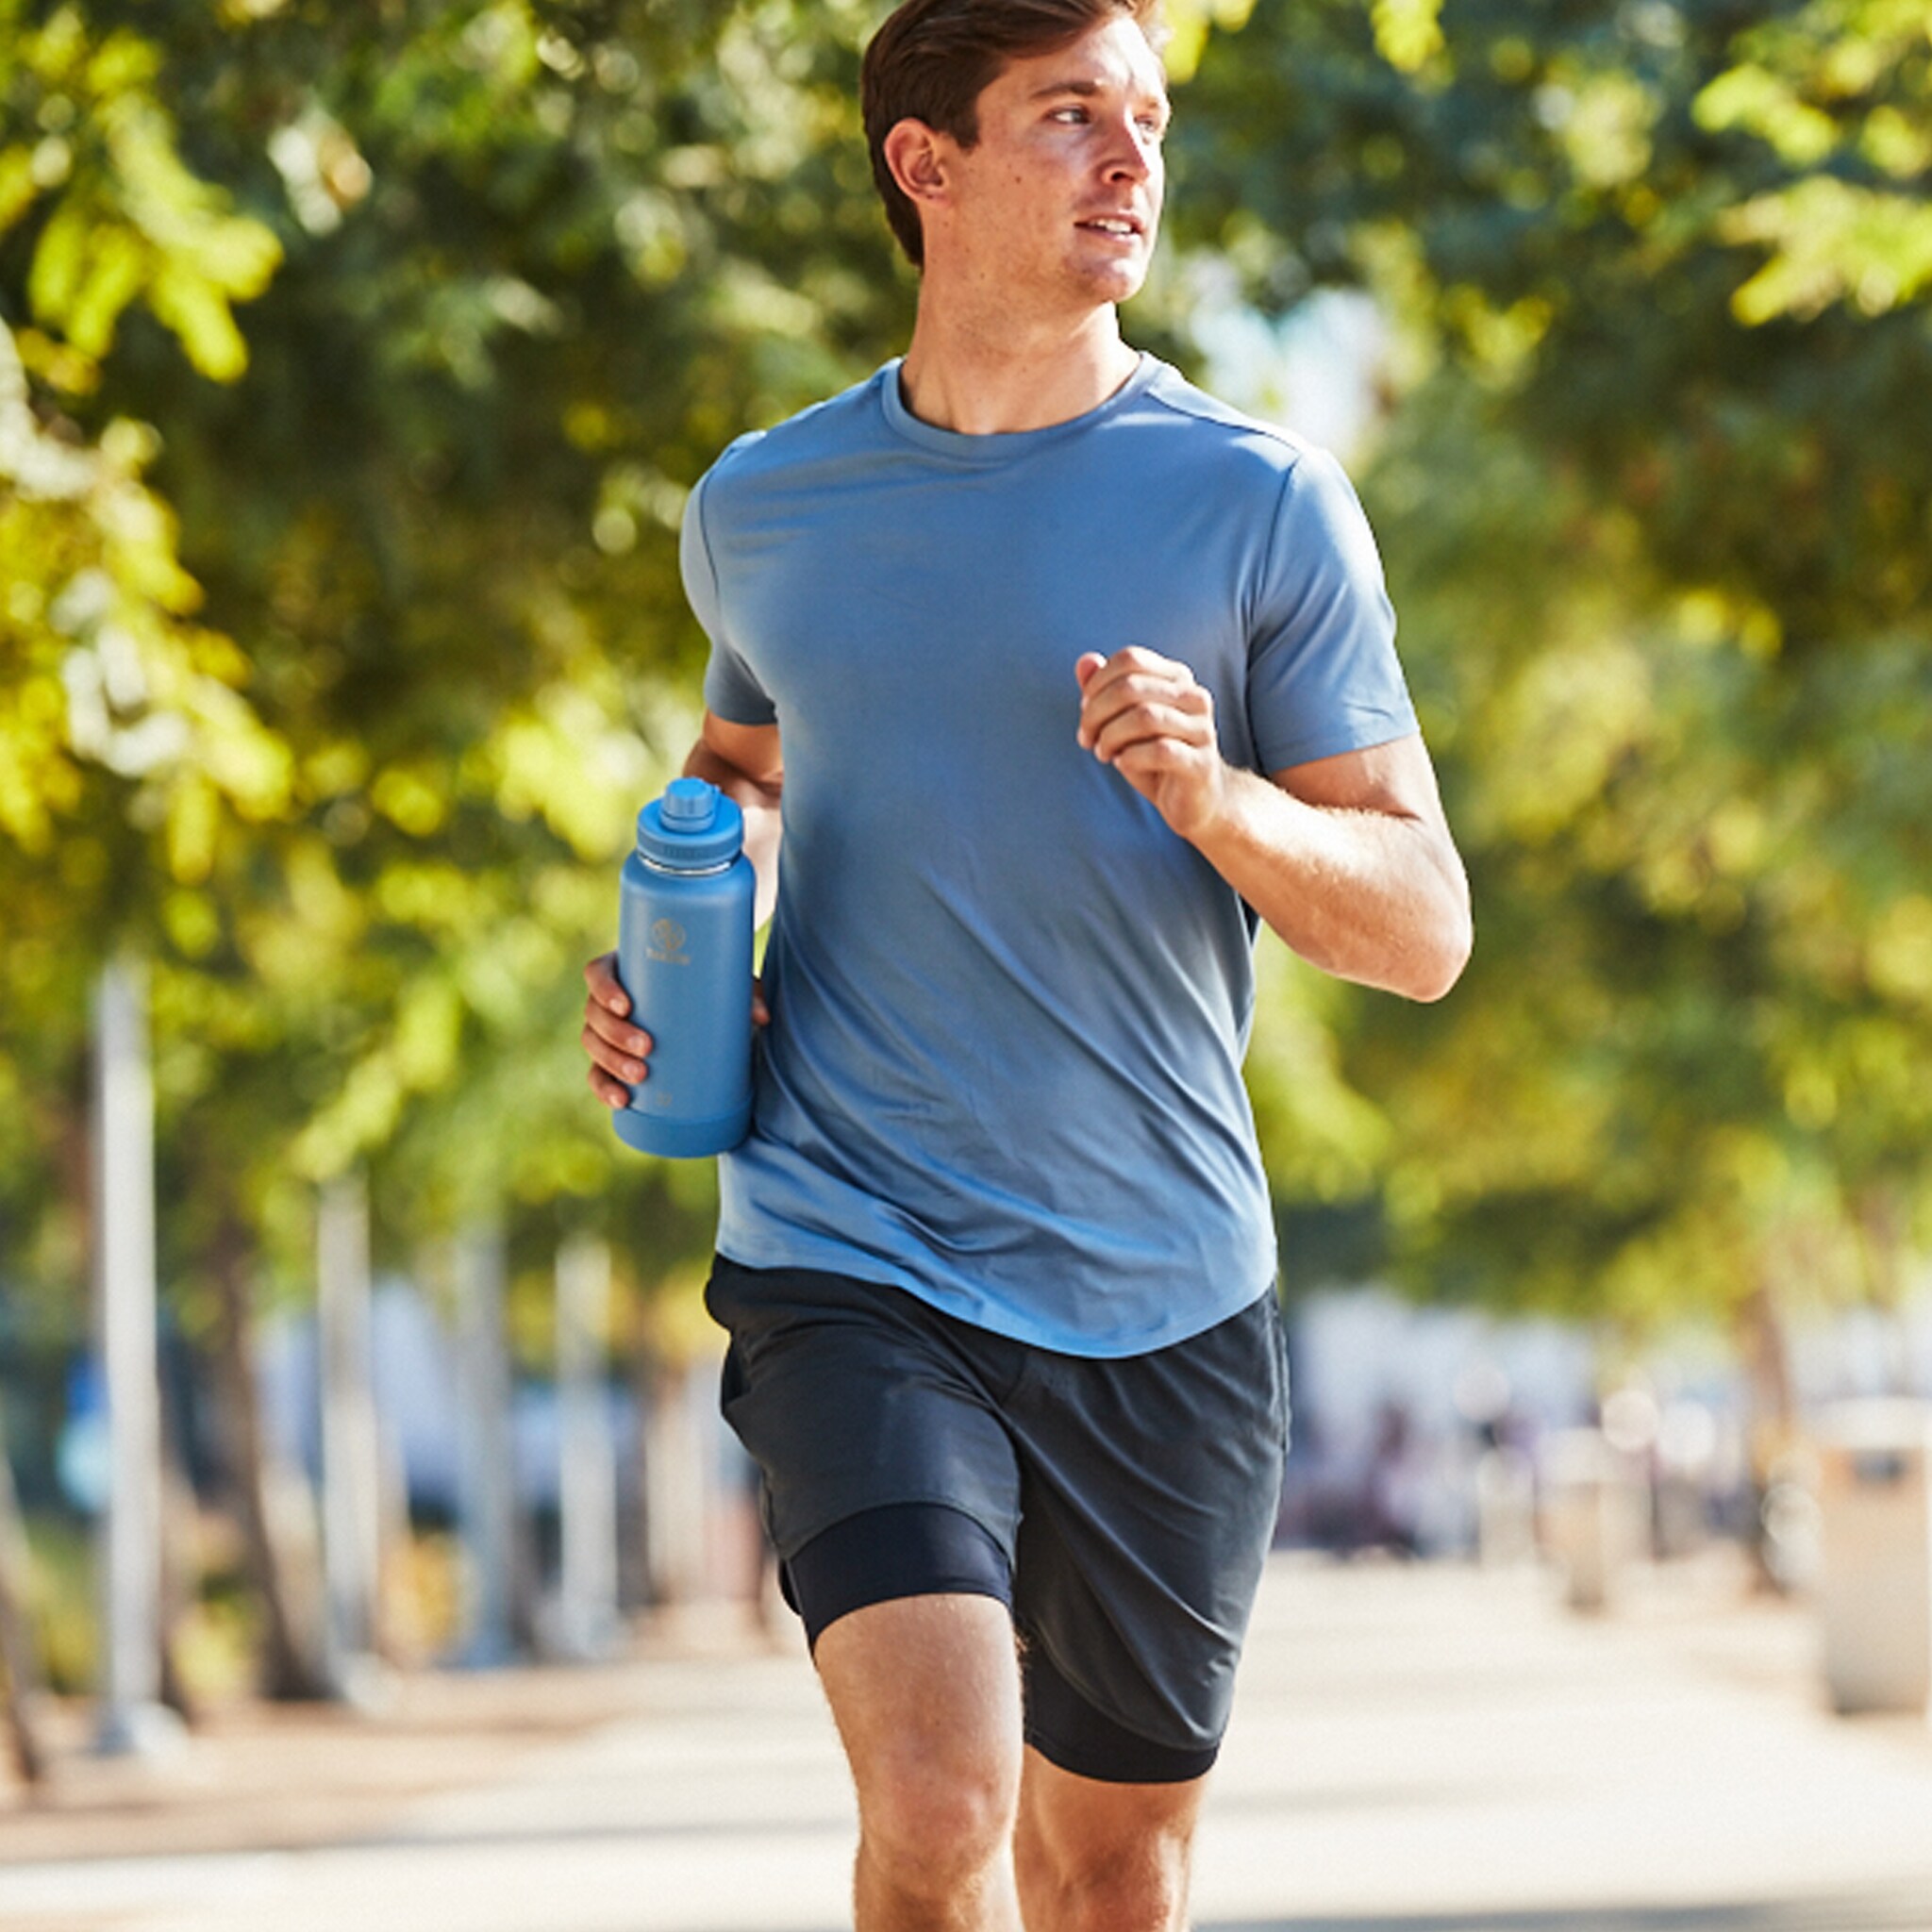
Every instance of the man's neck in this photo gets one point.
(989, 382)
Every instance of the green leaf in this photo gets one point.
(1766, 106)
(1407, 32)
(1832, 241)
(194, 308)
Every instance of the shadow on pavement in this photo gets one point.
(1892, 1913)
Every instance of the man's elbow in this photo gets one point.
(1438, 963)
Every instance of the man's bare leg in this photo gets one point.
(1103, 1857)
(925, 1692)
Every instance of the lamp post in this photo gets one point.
(131, 1718)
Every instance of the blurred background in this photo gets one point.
(355, 365)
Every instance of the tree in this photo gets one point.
(508, 278)
(1652, 489)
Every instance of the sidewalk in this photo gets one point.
(1415, 1750)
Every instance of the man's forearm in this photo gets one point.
(1347, 856)
(1374, 896)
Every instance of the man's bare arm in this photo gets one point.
(1351, 861)
(1349, 858)
(745, 763)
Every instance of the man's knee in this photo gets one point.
(934, 1817)
(1136, 1886)
(1094, 1858)
(925, 1692)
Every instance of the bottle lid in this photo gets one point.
(691, 828)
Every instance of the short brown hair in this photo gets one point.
(933, 60)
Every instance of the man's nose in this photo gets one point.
(1133, 154)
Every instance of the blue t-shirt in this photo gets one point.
(1008, 1005)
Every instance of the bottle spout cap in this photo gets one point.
(689, 805)
(692, 827)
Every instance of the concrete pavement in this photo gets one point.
(1415, 1750)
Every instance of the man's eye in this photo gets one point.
(1070, 114)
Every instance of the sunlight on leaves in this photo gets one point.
(1409, 33)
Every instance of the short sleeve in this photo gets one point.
(1322, 673)
(732, 691)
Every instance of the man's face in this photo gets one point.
(1059, 200)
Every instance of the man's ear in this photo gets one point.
(918, 156)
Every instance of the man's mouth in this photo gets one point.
(1114, 225)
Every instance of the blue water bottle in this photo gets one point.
(684, 956)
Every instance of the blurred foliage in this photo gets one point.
(353, 367)
(335, 687)
(1654, 484)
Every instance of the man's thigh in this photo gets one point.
(925, 1692)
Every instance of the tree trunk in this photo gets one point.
(291, 1663)
(1774, 1423)
(637, 1586)
(500, 1622)
(19, 1676)
(180, 1555)
(1884, 1232)
(587, 1473)
(351, 1448)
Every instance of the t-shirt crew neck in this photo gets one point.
(1004, 444)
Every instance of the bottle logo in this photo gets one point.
(665, 943)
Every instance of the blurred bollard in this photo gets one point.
(1680, 1527)
(1686, 1466)
(1596, 1515)
(1875, 1580)
(1504, 1507)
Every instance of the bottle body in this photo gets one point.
(684, 956)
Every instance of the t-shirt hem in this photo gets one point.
(732, 713)
(1365, 735)
(858, 1265)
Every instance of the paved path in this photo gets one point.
(1415, 1750)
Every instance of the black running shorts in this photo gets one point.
(1120, 1508)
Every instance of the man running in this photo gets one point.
(1059, 676)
